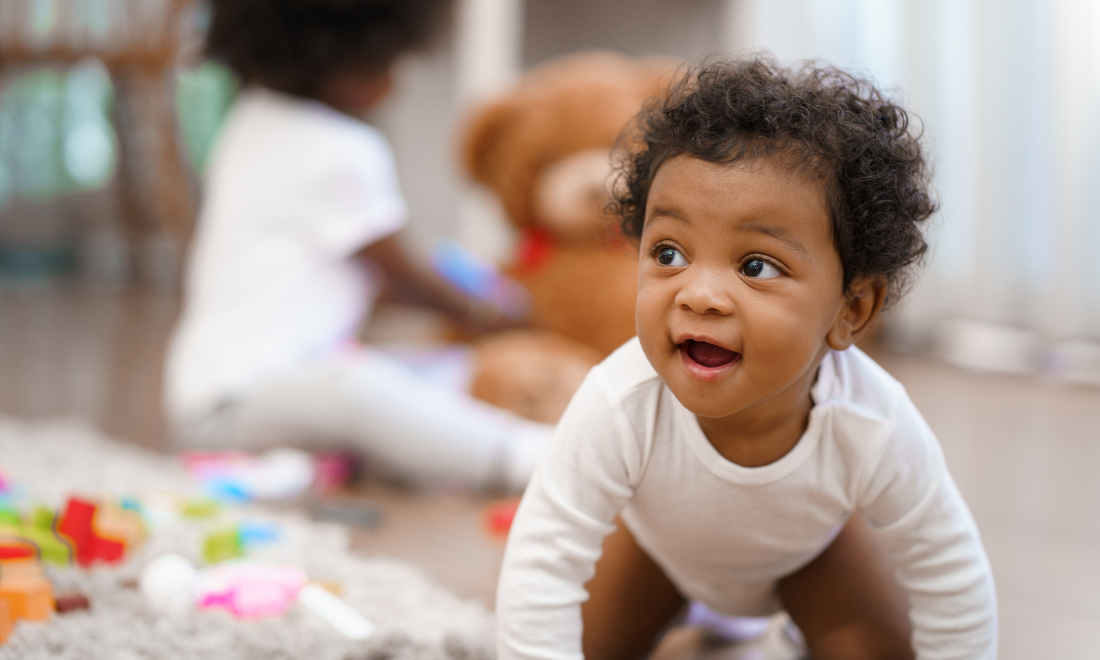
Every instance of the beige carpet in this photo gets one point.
(413, 617)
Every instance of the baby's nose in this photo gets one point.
(707, 291)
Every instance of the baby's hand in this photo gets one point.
(484, 316)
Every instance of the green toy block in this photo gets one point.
(200, 507)
(51, 548)
(222, 545)
(42, 517)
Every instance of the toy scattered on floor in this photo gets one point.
(335, 611)
(232, 541)
(200, 507)
(246, 590)
(334, 470)
(86, 532)
(249, 590)
(71, 602)
(499, 516)
(25, 593)
(480, 279)
(36, 532)
(278, 474)
(222, 545)
(100, 532)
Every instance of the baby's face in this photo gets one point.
(739, 285)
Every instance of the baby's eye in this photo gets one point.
(760, 269)
(668, 256)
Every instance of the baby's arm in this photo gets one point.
(582, 483)
(910, 500)
(416, 280)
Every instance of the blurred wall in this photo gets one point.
(423, 119)
(1006, 94)
(683, 29)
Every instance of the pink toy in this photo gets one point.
(249, 590)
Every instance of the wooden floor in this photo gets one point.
(1025, 454)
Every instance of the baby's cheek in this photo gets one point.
(787, 343)
(650, 310)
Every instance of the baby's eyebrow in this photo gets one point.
(664, 211)
(780, 234)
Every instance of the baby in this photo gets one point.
(741, 452)
(300, 228)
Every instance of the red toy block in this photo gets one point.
(11, 549)
(77, 524)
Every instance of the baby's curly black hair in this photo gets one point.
(816, 119)
(293, 45)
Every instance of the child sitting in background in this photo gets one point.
(299, 225)
(757, 460)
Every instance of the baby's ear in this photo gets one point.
(862, 305)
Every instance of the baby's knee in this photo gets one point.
(862, 643)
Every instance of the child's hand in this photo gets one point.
(472, 293)
(482, 316)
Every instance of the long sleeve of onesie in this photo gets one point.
(912, 503)
(616, 448)
(582, 483)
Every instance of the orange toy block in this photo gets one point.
(113, 523)
(28, 598)
(24, 568)
(6, 623)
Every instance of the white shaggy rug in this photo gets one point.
(413, 618)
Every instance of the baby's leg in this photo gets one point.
(631, 602)
(847, 602)
(413, 427)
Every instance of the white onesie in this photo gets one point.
(724, 533)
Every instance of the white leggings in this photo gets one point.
(409, 423)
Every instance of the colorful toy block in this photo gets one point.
(115, 523)
(65, 603)
(23, 589)
(51, 548)
(200, 507)
(222, 545)
(16, 548)
(249, 590)
(23, 568)
(6, 622)
(30, 599)
(77, 524)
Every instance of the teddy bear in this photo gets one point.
(545, 149)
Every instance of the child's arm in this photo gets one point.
(910, 500)
(428, 287)
(583, 481)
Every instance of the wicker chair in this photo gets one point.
(139, 42)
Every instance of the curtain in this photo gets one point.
(1007, 91)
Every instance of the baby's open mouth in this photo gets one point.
(708, 354)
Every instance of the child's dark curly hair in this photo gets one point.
(820, 120)
(293, 45)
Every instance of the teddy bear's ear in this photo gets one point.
(486, 132)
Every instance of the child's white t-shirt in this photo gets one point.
(293, 191)
(724, 533)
